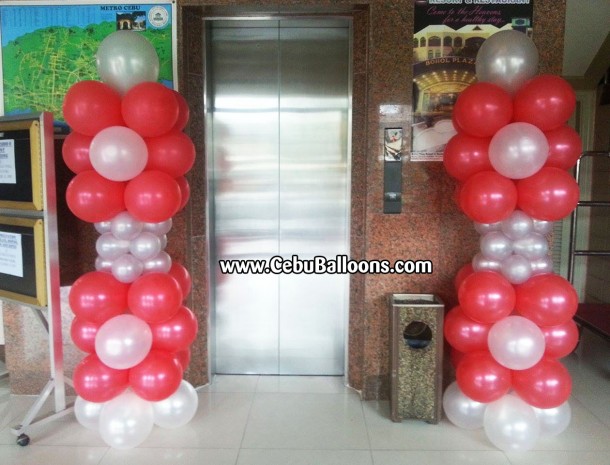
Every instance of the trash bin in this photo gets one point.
(416, 357)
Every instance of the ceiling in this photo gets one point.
(586, 42)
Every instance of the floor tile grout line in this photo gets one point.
(243, 435)
(368, 434)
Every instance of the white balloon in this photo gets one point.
(102, 227)
(123, 341)
(161, 263)
(507, 58)
(516, 342)
(159, 228)
(554, 421)
(145, 246)
(103, 264)
(88, 413)
(517, 225)
(518, 150)
(481, 263)
(124, 226)
(532, 246)
(127, 268)
(542, 265)
(126, 58)
(516, 269)
(461, 410)
(178, 409)
(109, 247)
(542, 227)
(126, 421)
(118, 153)
(163, 238)
(495, 245)
(511, 424)
(483, 228)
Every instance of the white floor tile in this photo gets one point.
(51, 455)
(302, 384)
(232, 383)
(179, 456)
(303, 457)
(559, 458)
(392, 457)
(306, 421)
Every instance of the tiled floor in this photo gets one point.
(264, 420)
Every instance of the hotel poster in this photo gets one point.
(47, 47)
(447, 37)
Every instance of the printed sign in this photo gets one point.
(8, 170)
(11, 254)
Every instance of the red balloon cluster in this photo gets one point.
(152, 195)
(483, 329)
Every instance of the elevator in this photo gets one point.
(278, 118)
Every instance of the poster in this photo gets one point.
(45, 49)
(8, 170)
(447, 37)
(11, 254)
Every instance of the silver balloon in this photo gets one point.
(145, 246)
(481, 263)
(516, 269)
(102, 227)
(109, 247)
(542, 227)
(87, 413)
(125, 226)
(103, 264)
(163, 241)
(159, 228)
(542, 265)
(518, 150)
(127, 268)
(495, 245)
(516, 342)
(507, 59)
(178, 409)
(159, 264)
(517, 225)
(511, 424)
(483, 228)
(123, 341)
(126, 421)
(461, 410)
(126, 58)
(531, 246)
(554, 421)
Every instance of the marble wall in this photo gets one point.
(429, 228)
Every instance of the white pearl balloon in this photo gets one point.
(517, 225)
(518, 150)
(516, 342)
(542, 227)
(145, 246)
(109, 247)
(481, 263)
(554, 421)
(461, 410)
(161, 263)
(125, 226)
(178, 409)
(87, 413)
(159, 228)
(483, 228)
(103, 264)
(542, 265)
(532, 246)
(102, 227)
(118, 153)
(127, 268)
(511, 424)
(123, 341)
(126, 421)
(516, 269)
(495, 245)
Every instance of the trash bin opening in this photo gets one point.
(417, 335)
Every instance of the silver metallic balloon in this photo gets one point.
(518, 150)
(127, 268)
(495, 245)
(102, 227)
(517, 225)
(87, 413)
(461, 410)
(508, 59)
(511, 424)
(542, 265)
(103, 264)
(163, 241)
(483, 228)
(178, 409)
(126, 421)
(161, 263)
(531, 246)
(159, 228)
(554, 421)
(542, 227)
(516, 269)
(516, 342)
(126, 58)
(109, 247)
(145, 246)
(481, 263)
(125, 226)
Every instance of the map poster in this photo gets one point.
(46, 47)
(446, 39)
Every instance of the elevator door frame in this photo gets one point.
(211, 343)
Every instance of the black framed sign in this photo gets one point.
(22, 260)
(21, 165)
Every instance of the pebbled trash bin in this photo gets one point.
(416, 357)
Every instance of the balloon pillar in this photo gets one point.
(514, 319)
(130, 156)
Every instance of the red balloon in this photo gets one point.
(455, 356)
(154, 297)
(152, 197)
(463, 333)
(482, 109)
(183, 112)
(75, 151)
(83, 334)
(545, 385)
(90, 106)
(177, 333)
(98, 296)
(565, 147)
(560, 340)
(488, 197)
(481, 378)
(465, 271)
(181, 274)
(93, 198)
(465, 155)
(96, 382)
(173, 153)
(183, 358)
(546, 299)
(157, 377)
(545, 101)
(150, 109)
(185, 191)
(550, 194)
(486, 297)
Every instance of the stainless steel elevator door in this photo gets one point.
(279, 106)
